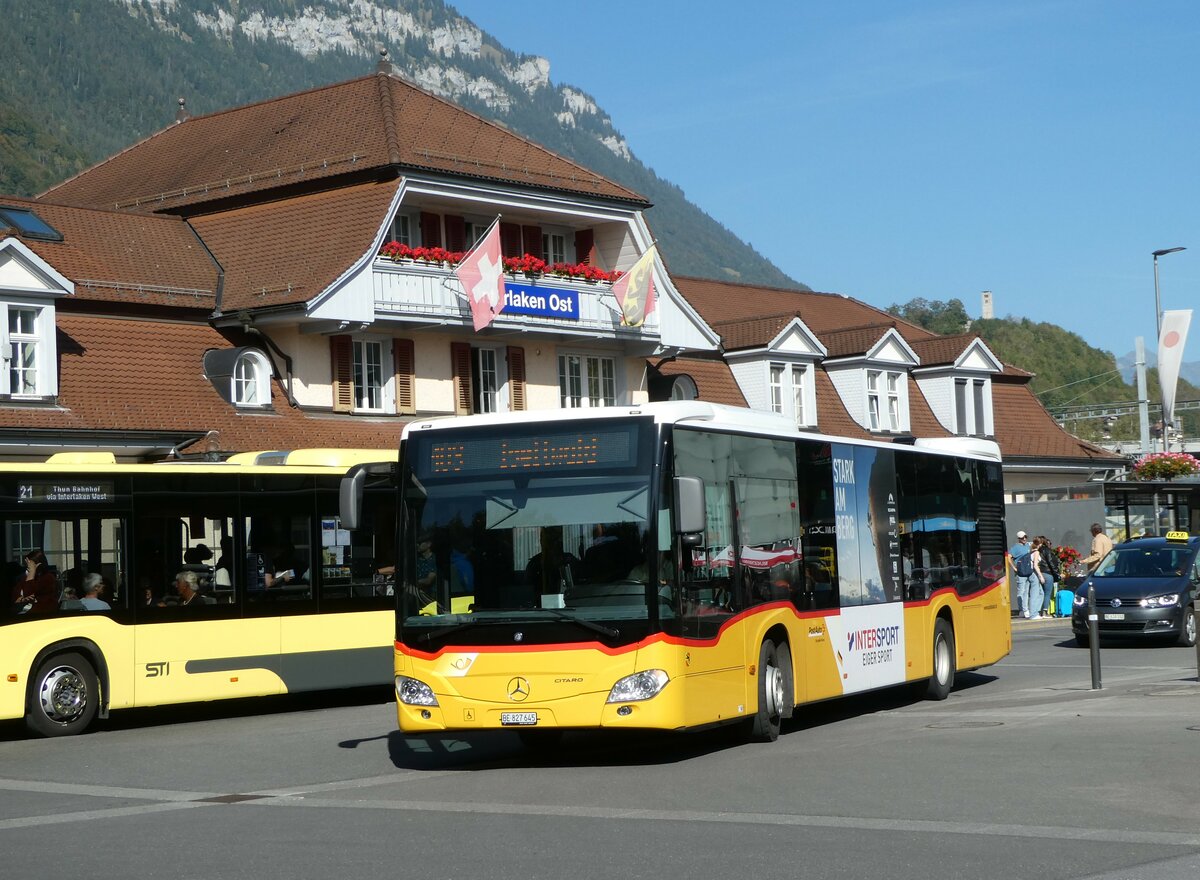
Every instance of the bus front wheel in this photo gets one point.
(942, 679)
(63, 696)
(773, 678)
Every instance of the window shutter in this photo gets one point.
(510, 240)
(456, 233)
(431, 230)
(460, 363)
(516, 378)
(533, 241)
(406, 375)
(341, 348)
(585, 249)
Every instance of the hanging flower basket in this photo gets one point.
(1165, 466)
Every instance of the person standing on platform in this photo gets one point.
(1022, 572)
(1101, 544)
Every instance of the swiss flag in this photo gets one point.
(481, 274)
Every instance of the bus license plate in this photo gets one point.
(1114, 617)
(518, 718)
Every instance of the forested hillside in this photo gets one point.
(85, 78)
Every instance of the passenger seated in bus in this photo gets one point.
(93, 590)
(187, 591)
(38, 592)
(198, 555)
(223, 574)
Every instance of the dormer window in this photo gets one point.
(788, 386)
(970, 407)
(883, 397)
(28, 350)
(251, 379)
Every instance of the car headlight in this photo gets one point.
(1160, 601)
(639, 686)
(414, 693)
(1080, 599)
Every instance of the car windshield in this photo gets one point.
(548, 526)
(1145, 562)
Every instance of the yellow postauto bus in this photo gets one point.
(146, 584)
(681, 565)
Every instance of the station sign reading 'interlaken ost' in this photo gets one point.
(542, 302)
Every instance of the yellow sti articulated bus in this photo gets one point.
(139, 585)
(680, 565)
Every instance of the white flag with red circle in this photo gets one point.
(1170, 356)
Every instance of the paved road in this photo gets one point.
(1023, 773)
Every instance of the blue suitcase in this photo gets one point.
(1064, 600)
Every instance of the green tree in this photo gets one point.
(946, 318)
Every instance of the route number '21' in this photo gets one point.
(154, 670)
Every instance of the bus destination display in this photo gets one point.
(65, 492)
(604, 448)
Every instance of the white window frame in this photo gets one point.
(487, 366)
(596, 384)
(550, 253)
(892, 385)
(402, 229)
(259, 380)
(42, 340)
(775, 374)
(886, 400)
(799, 375)
(873, 413)
(385, 391)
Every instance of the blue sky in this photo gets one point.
(890, 150)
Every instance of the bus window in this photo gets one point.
(74, 548)
(818, 541)
(179, 527)
(358, 563)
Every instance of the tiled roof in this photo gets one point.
(153, 380)
(752, 332)
(855, 340)
(364, 124)
(942, 349)
(137, 258)
(714, 381)
(291, 250)
(1025, 430)
(721, 301)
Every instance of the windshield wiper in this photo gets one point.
(586, 624)
(439, 633)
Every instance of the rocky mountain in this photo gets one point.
(85, 78)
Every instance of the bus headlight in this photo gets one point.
(414, 693)
(639, 686)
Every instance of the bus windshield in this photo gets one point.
(541, 523)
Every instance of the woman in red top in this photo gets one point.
(38, 593)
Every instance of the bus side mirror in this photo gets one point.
(350, 495)
(689, 509)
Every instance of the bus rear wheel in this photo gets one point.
(63, 696)
(942, 679)
(774, 675)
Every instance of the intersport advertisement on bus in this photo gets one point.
(868, 636)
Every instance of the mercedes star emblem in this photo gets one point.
(518, 689)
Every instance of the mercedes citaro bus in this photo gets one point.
(680, 565)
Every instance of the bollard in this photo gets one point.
(1196, 609)
(1094, 637)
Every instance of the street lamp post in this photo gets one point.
(1157, 301)
(1158, 325)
